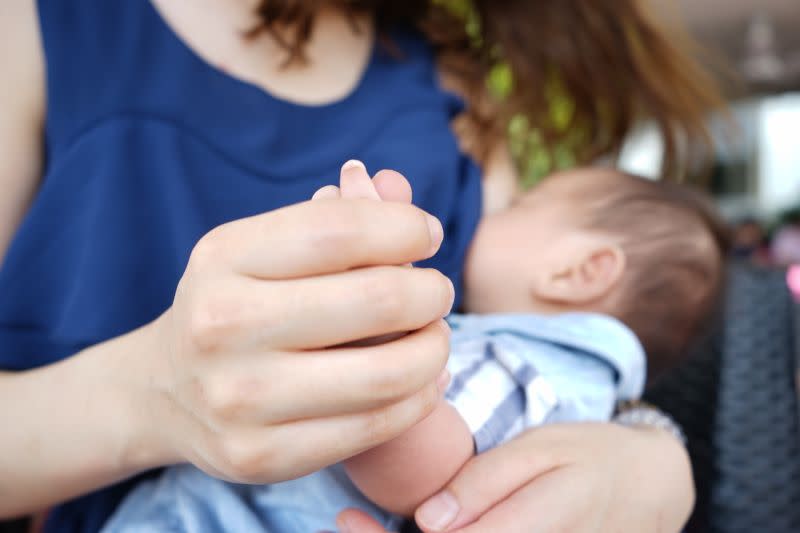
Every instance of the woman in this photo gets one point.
(141, 137)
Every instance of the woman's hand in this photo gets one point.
(252, 391)
(577, 478)
(237, 376)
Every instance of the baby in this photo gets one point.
(570, 287)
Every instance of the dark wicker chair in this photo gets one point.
(737, 400)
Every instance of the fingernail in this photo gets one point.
(443, 380)
(353, 163)
(437, 233)
(438, 512)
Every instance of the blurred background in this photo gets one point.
(755, 46)
(743, 435)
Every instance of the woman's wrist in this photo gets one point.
(140, 369)
(81, 424)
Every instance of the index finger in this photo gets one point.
(323, 237)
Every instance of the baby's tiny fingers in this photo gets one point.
(327, 192)
(392, 186)
(355, 181)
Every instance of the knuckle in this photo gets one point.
(427, 401)
(227, 399)
(211, 319)
(385, 298)
(379, 427)
(243, 459)
(394, 382)
(336, 231)
(206, 250)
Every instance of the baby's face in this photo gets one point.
(512, 247)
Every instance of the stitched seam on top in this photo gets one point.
(144, 116)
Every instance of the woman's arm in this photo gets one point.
(41, 450)
(78, 425)
(246, 395)
(22, 103)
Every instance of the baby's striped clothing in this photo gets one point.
(513, 372)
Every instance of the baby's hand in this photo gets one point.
(354, 182)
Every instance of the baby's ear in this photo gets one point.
(354, 181)
(586, 277)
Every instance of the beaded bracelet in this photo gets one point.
(638, 414)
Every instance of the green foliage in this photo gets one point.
(464, 10)
(534, 158)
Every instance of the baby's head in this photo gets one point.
(648, 253)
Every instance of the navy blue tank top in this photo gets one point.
(148, 147)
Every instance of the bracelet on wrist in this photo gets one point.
(642, 414)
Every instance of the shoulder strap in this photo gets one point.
(97, 55)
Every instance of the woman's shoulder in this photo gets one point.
(21, 59)
(22, 104)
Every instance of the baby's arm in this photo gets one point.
(402, 473)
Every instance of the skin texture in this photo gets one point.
(549, 479)
(180, 388)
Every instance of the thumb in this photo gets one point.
(486, 480)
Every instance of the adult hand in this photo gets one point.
(256, 377)
(579, 478)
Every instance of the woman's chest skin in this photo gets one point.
(338, 51)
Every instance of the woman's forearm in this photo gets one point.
(77, 425)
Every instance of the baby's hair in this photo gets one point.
(675, 246)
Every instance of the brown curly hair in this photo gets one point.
(612, 61)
